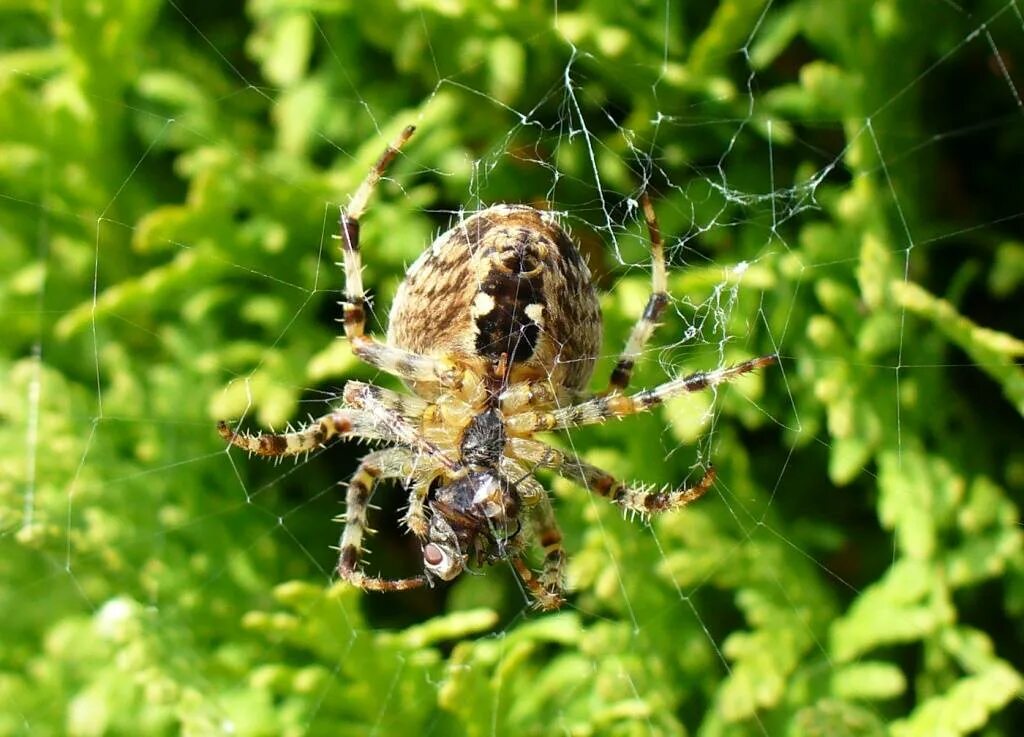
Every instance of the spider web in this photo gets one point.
(744, 245)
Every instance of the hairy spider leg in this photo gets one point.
(599, 409)
(342, 423)
(408, 407)
(415, 412)
(401, 363)
(549, 538)
(374, 402)
(520, 395)
(547, 589)
(542, 597)
(373, 413)
(415, 517)
(382, 464)
(639, 499)
(355, 297)
(656, 303)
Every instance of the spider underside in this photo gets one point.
(495, 330)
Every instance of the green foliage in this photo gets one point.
(169, 180)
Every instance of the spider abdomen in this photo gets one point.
(506, 281)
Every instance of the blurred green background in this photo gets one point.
(839, 182)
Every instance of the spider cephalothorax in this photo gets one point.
(495, 329)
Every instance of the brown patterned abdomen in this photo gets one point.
(508, 280)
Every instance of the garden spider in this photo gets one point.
(495, 329)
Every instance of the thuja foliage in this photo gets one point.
(169, 177)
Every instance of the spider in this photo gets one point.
(495, 330)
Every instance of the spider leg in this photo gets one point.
(599, 409)
(415, 517)
(639, 499)
(393, 423)
(373, 401)
(521, 395)
(404, 364)
(355, 297)
(531, 492)
(656, 303)
(382, 464)
(409, 407)
(543, 598)
(343, 423)
(548, 588)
